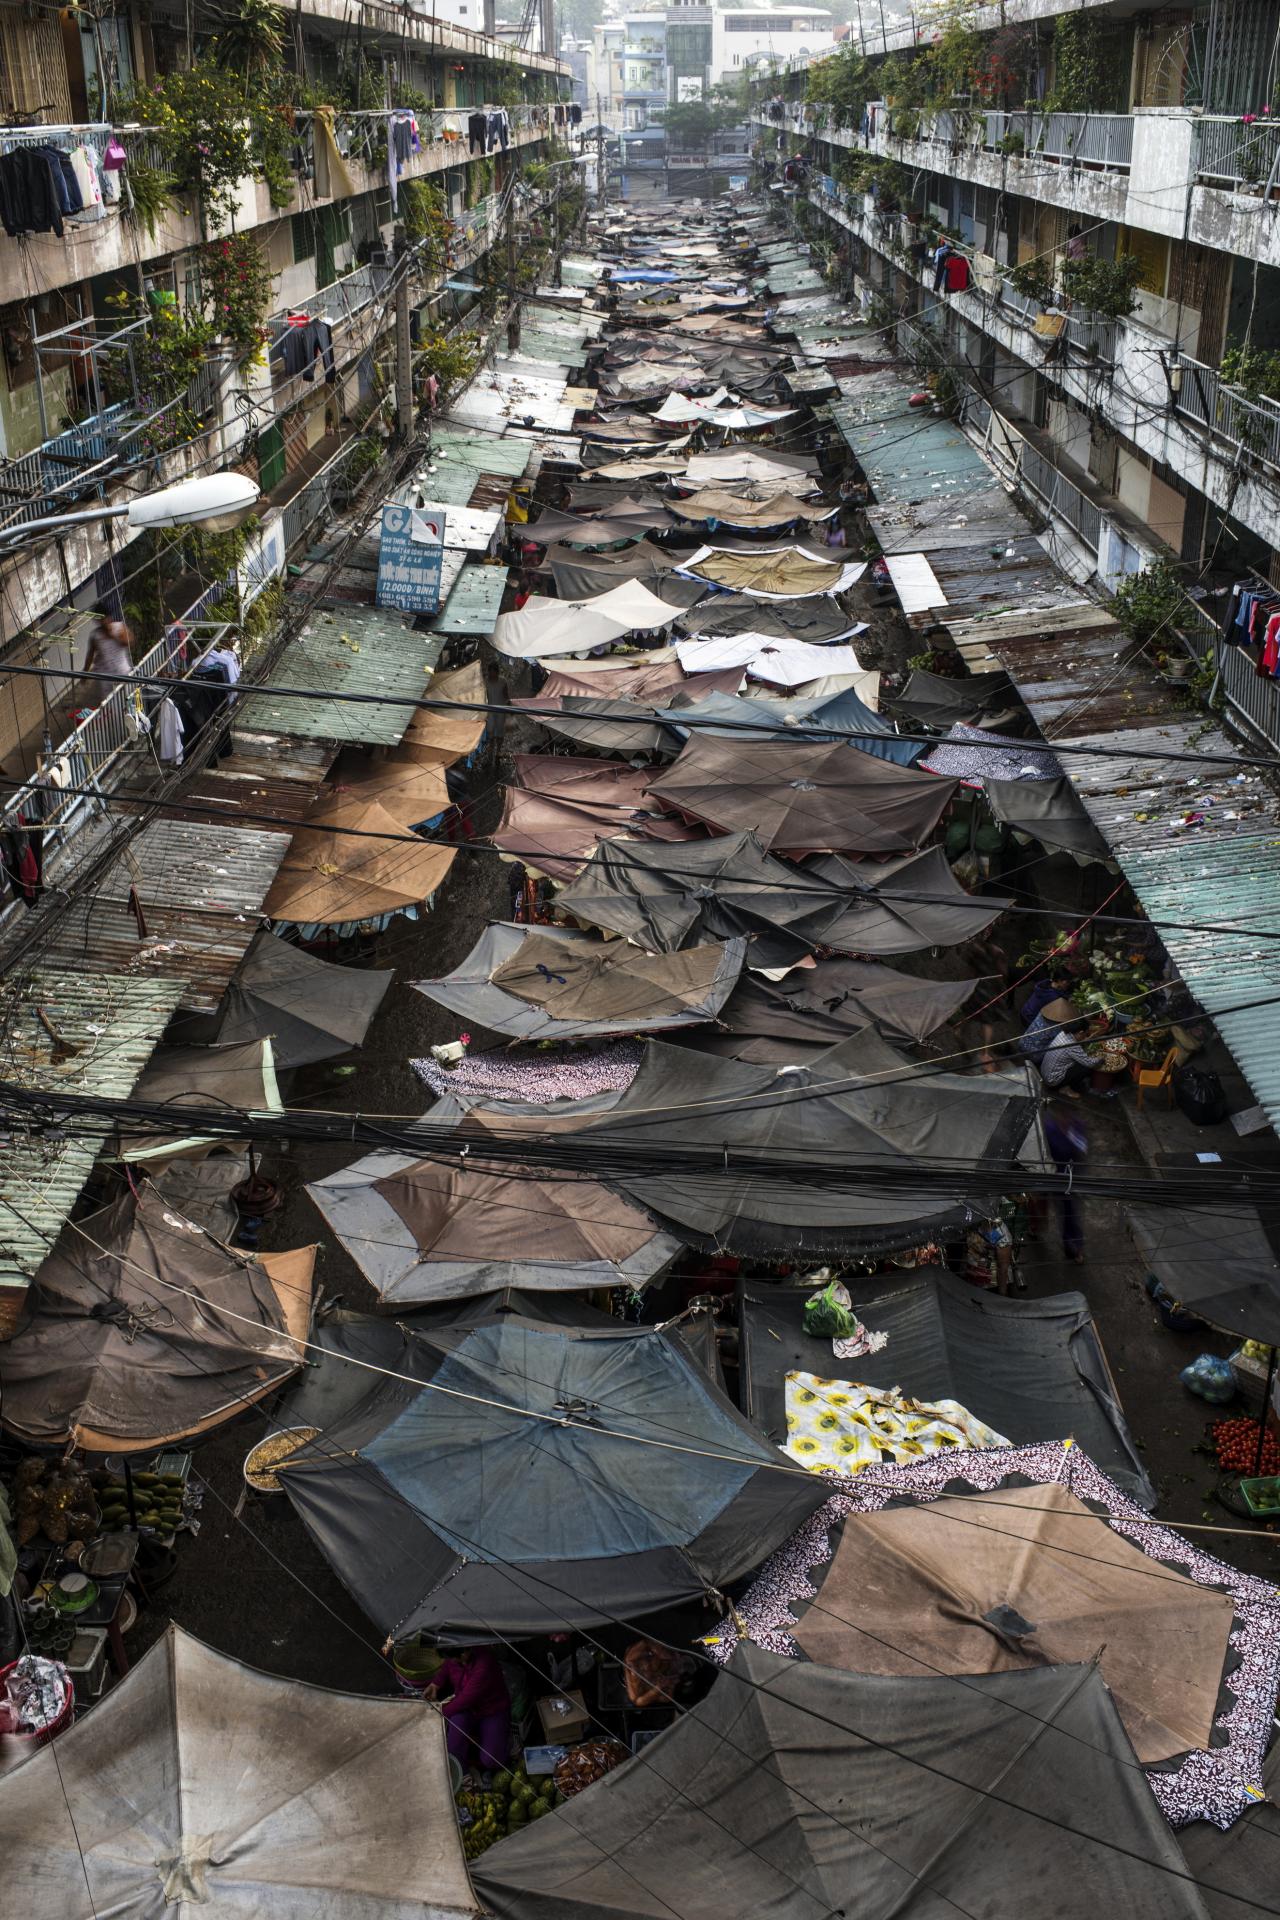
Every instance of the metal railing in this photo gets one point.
(315, 501)
(1235, 155)
(1252, 697)
(1204, 398)
(1059, 496)
(1090, 139)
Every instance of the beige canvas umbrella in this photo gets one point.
(141, 1330)
(1024, 1577)
(351, 862)
(201, 1787)
(440, 737)
(562, 808)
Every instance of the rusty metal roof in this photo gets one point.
(104, 1029)
(1074, 667)
(265, 774)
(199, 888)
(1018, 579)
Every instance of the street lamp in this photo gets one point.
(217, 501)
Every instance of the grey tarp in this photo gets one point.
(310, 1009)
(240, 1076)
(1218, 1261)
(941, 701)
(795, 1793)
(199, 1786)
(581, 985)
(804, 798)
(1050, 811)
(570, 704)
(784, 1162)
(814, 621)
(993, 1581)
(904, 905)
(581, 580)
(1032, 1369)
(423, 1230)
(514, 1493)
(817, 1005)
(667, 897)
(728, 717)
(1232, 1867)
(628, 520)
(141, 1330)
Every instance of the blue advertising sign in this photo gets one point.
(410, 559)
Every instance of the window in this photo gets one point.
(304, 237)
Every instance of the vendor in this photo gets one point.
(476, 1706)
(1057, 986)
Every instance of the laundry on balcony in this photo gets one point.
(302, 342)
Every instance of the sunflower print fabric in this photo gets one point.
(836, 1425)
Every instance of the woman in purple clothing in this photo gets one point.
(476, 1707)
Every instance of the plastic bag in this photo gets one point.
(1211, 1378)
(829, 1315)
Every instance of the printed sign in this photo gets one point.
(410, 559)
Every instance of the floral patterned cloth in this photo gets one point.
(838, 1426)
(542, 1077)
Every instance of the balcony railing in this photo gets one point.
(1229, 153)
(1250, 696)
(1089, 139)
(1059, 496)
(1205, 398)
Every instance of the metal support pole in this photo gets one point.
(404, 345)
(1266, 1402)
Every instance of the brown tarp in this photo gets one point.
(783, 573)
(1024, 1577)
(609, 981)
(627, 699)
(813, 621)
(648, 681)
(240, 1075)
(141, 1330)
(439, 738)
(399, 783)
(332, 875)
(805, 798)
(562, 808)
(473, 1212)
(718, 503)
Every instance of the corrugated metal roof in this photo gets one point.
(1020, 579)
(348, 649)
(112, 1024)
(474, 604)
(266, 773)
(451, 441)
(1139, 802)
(1075, 668)
(905, 455)
(941, 521)
(199, 889)
(1231, 880)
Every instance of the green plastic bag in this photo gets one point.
(828, 1314)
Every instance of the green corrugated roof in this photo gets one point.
(348, 650)
(553, 348)
(469, 445)
(473, 605)
(453, 483)
(113, 1023)
(917, 456)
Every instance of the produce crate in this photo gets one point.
(1262, 1497)
(1250, 1376)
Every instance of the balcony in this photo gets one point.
(1246, 425)
(1244, 159)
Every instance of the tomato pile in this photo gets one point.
(1236, 1445)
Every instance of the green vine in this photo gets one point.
(1108, 287)
(237, 285)
(1080, 78)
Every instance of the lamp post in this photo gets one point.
(218, 502)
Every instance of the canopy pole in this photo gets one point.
(1272, 1354)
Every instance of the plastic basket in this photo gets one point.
(1253, 1490)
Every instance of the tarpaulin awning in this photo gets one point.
(543, 627)
(766, 468)
(733, 510)
(579, 577)
(140, 1330)
(349, 862)
(201, 1786)
(814, 1006)
(422, 1230)
(310, 1009)
(442, 736)
(1050, 812)
(1033, 1369)
(812, 718)
(514, 1494)
(941, 702)
(668, 897)
(774, 573)
(993, 1583)
(567, 700)
(780, 662)
(548, 983)
(814, 621)
(239, 1074)
(795, 1793)
(630, 520)
(561, 808)
(1217, 1261)
(977, 756)
(904, 905)
(805, 797)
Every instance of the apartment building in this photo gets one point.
(1110, 319)
(221, 296)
